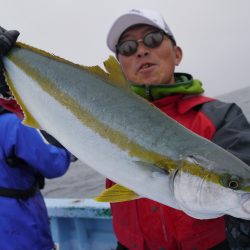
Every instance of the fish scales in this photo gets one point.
(111, 129)
(117, 108)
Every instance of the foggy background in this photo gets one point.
(214, 35)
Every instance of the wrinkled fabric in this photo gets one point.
(144, 224)
(213, 120)
(25, 223)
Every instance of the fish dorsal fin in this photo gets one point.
(95, 70)
(113, 73)
(116, 193)
(116, 76)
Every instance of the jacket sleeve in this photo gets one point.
(233, 134)
(28, 145)
(232, 128)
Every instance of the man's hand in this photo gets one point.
(7, 40)
(53, 141)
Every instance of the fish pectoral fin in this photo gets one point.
(117, 193)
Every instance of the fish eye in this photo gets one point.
(233, 184)
(230, 181)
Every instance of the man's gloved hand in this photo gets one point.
(7, 41)
(53, 141)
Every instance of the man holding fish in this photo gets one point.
(148, 54)
(147, 51)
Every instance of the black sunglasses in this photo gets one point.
(129, 47)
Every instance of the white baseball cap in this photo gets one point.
(133, 17)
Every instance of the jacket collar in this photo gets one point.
(185, 84)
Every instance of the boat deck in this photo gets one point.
(81, 224)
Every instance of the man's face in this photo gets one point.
(149, 65)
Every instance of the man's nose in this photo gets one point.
(142, 50)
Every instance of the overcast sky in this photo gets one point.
(214, 34)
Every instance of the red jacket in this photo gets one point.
(144, 224)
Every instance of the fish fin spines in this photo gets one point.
(116, 193)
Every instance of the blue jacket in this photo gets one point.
(24, 224)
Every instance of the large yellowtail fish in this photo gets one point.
(93, 113)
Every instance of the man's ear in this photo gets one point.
(178, 55)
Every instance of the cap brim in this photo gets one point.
(123, 23)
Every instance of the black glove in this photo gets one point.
(7, 41)
(53, 141)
